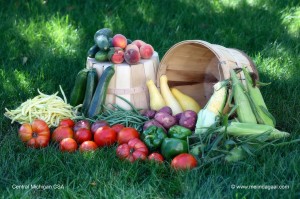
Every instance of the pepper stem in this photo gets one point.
(149, 136)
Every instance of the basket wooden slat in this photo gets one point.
(194, 66)
(129, 81)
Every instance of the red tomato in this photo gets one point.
(118, 127)
(133, 150)
(184, 161)
(67, 122)
(68, 145)
(88, 146)
(127, 134)
(36, 135)
(82, 124)
(82, 135)
(105, 136)
(156, 157)
(98, 124)
(62, 132)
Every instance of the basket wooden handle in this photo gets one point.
(130, 91)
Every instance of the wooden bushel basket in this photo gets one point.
(194, 66)
(129, 81)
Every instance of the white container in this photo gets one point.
(129, 81)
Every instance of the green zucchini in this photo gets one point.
(99, 97)
(102, 42)
(104, 31)
(78, 91)
(92, 51)
(92, 79)
(101, 56)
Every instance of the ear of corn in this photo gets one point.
(245, 129)
(244, 110)
(207, 117)
(259, 107)
(236, 154)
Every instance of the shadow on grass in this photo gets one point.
(248, 27)
(28, 30)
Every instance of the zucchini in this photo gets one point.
(104, 31)
(78, 91)
(101, 56)
(92, 51)
(102, 42)
(92, 79)
(99, 97)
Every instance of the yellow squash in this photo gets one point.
(186, 102)
(168, 96)
(156, 100)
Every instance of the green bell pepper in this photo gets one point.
(179, 132)
(153, 137)
(172, 147)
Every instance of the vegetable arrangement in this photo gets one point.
(118, 115)
(117, 48)
(221, 129)
(234, 136)
(234, 123)
(50, 108)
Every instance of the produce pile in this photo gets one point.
(234, 123)
(50, 108)
(117, 48)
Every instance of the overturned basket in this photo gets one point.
(194, 66)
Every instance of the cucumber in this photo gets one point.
(101, 56)
(110, 42)
(77, 94)
(104, 31)
(92, 51)
(129, 41)
(102, 42)
(99, 97)
(92, 79)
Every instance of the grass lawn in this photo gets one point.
(44, 45)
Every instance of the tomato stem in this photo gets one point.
(131, 150)
(34, 134)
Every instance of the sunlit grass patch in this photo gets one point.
(277, 62)
(56, 34)
(147, 11)
(291, 19)
(113, 22)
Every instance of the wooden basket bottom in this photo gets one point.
(201, 92)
